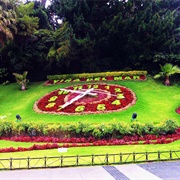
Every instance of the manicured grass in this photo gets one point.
(155, 102)
(87, 150)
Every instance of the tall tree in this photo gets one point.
(7, 21)
(43, 14)
(59, 52)
(26, 24)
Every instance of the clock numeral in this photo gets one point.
(107, 87)
(101, 107)
(116, 102)
(50, 105)
(80, 108)
(62, 92)
(117, 90)
(95, 86)
(89, 86)
(120, 96)
(53, 98)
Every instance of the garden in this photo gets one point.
(89, 78)
(89, 115)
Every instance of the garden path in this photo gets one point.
(146, 171)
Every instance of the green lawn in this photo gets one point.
(86, 150)
(155, 102)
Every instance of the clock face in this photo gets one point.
(86, 99)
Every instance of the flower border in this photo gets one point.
(52, 142)
(96, 79)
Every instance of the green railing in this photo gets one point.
(87, 160)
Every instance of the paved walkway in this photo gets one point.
(147, 171)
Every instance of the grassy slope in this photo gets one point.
(155, 102)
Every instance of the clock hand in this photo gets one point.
(76, 98)
(100, 91)
(74, 91)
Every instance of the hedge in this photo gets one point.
(92, 75)
(80, 129)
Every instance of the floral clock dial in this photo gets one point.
(86, 99)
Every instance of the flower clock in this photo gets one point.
(86, 99)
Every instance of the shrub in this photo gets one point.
(93, 75)
(80, 129)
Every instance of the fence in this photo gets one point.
(87, 160)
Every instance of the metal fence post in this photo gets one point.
(120, 158)
(45, 161)
(170, 154)
(107, 159)
(159, 155)
(28, 162)
(92, 159)
(146, 156)
(77, 160)
(11, 159)
(61, 161)
(134, 157)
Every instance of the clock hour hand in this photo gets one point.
(76, 98)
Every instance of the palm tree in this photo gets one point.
(7, 21)
(166, 71)
(21, 79)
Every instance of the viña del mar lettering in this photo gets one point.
(96, 79)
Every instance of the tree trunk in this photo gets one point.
(167, 82)
(23, 87)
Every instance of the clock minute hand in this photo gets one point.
(74, 91)
(76, 98)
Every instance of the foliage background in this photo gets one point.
(95, 36)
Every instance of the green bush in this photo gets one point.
(93, 75)
(80, 129)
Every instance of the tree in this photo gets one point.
(26, 24)
(166, 71)
(59, 52)
(29, 48)
(7, 21)
(21, 79)
(44, 16)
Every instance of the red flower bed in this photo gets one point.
(95, 79)
(52, 142)
(178, 110)
(109, 98)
